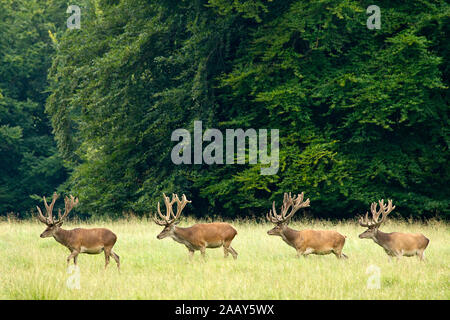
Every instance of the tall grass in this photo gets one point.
(266, 268)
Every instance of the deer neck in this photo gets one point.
(380, 238)
(62, 236)
(181, 235)
(289, 235)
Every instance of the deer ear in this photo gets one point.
(59, 224)
(176, 222)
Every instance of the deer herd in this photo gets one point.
(219, 234)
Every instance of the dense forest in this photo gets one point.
(362, 114)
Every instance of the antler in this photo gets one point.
(49, 210)
(385, 209)
(170, 217)
(69, 204)
(296, 203)
(165, 218)
(180, 205)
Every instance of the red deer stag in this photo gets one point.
(305, 241)
(199, 236)
(395, 244)
(79, 240)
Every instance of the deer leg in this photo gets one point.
(229, 249)
(233, 252)
(203, 251)
(225, 252)
(422, 255)
(191, 254)
(304, 253)
(73, 255)
(107, 255)
(338, 253)
(116, 258)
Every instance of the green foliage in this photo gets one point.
(29, 160)
(362, 114)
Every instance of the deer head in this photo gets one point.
(373, 224)
(50, 222)
(281, 221)
(169, 220)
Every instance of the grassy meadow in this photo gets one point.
(266, 268)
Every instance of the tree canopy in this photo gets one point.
(30, 161)
(362, 114)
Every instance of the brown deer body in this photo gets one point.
(305, 242)
(197, 237)
(79, 240)
(395, 244)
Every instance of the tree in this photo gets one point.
(362, 114)
(29, 160)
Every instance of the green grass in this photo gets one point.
(267, 268)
